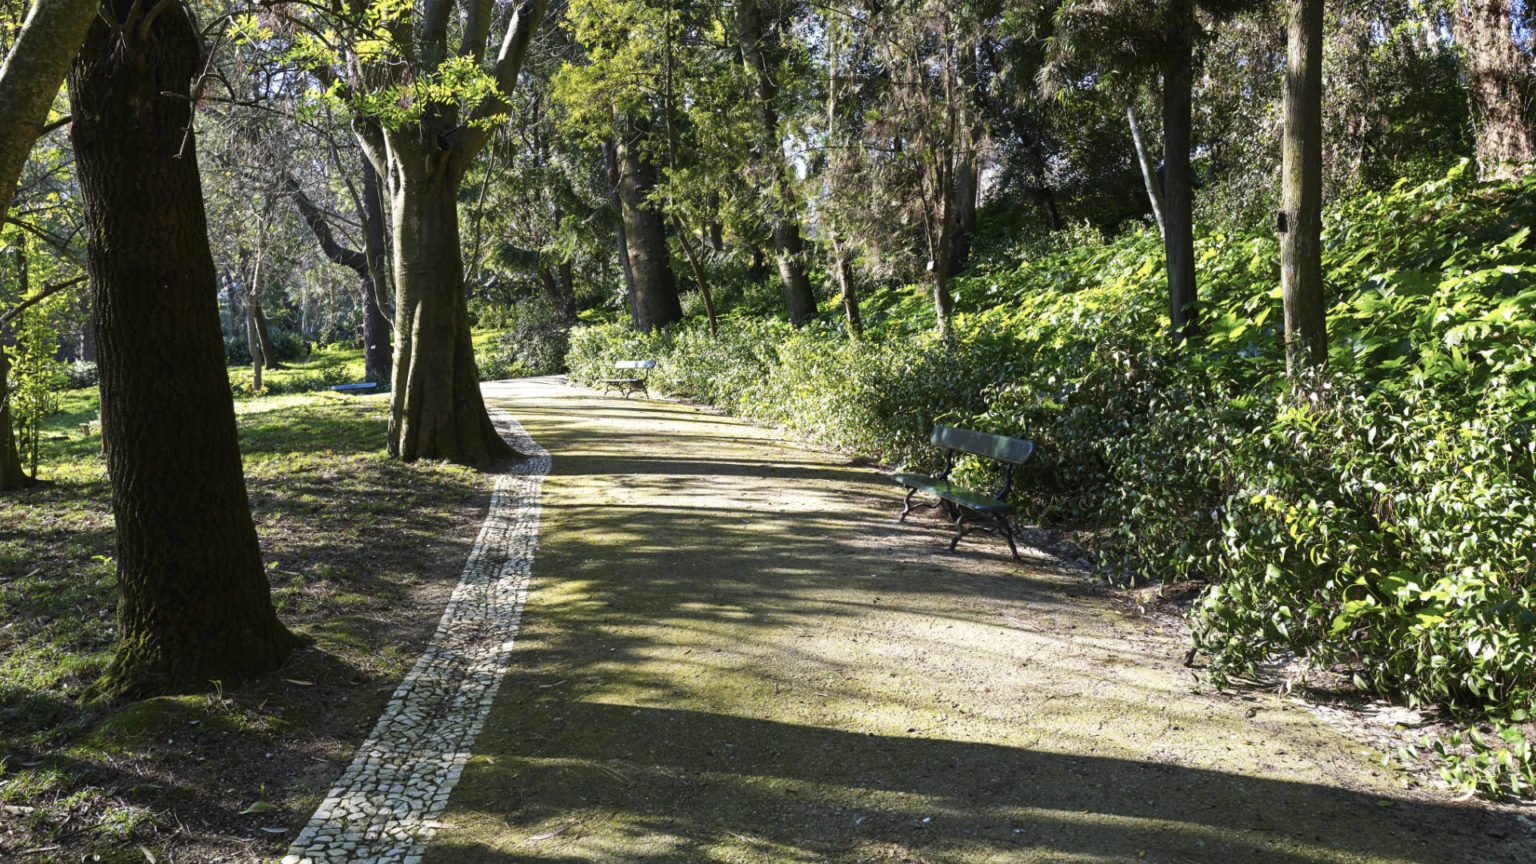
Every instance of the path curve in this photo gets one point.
(384, 808)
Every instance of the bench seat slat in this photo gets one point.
(969, 498)
(999, 447)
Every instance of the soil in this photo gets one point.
(732, 651)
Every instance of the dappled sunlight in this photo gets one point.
(733, 652)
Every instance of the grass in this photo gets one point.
(360, 550)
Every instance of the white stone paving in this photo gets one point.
(383, 809)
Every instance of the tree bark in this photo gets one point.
(437, 411)
(253, 343)
(264, 335)
(1178, 181)
(655, 301)
(12, 474)
(760, 48)
(1499, 87)
(35, 67)
(1148, 173)
(378, 350)
(1301, 196)
(194, 602)
(967, 189)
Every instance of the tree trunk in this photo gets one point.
(567, 290)
(760, 48)
(1301, 195)
(698, 275)
(253, 343)
(376, 347)
(967, 189)
(378, 352)
(30, 78)
(645, 233)
(611, 169)
(846, 287)
(437, 411)
(264, 334)
(1178, 182)
(757, 270)
(12, 474)
(1148, 173)
(1499, 87)
(194, 604)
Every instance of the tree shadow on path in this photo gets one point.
(732, 652)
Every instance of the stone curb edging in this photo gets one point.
(383, 808)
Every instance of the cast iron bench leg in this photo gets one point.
(1002, 524)
(908, 504)
(964, 530)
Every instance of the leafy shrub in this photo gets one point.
(536, 341)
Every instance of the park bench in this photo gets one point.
(974, 509)
(630, 384)
(364, 387)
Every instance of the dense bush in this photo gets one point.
(289, 346)
(537, 338)
(1379, 517)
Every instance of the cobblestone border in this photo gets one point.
(383, 809)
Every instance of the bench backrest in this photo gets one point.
(999, 447)
(635, 364)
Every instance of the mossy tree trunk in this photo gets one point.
(1500, 86)
(1301, 196)
(194, 602)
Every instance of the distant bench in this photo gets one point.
(356, 388)
(971, 504)
(629, 384)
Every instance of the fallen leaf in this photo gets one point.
(258, 807)
(555, 833)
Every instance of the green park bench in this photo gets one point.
(364, 387)
(975, 509)
(629, 384)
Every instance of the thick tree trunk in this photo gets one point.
(655, 301)
(757, 270)
(967, 189)
(760, 48)
(1301, 195)
(1148, 173)
(194, 603)
(12, 474)
(1499, 86)
(34, 68)
(437, 410)
(1178, 183)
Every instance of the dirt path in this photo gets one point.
(732, 652)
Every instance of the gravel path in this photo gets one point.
(731, 652)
